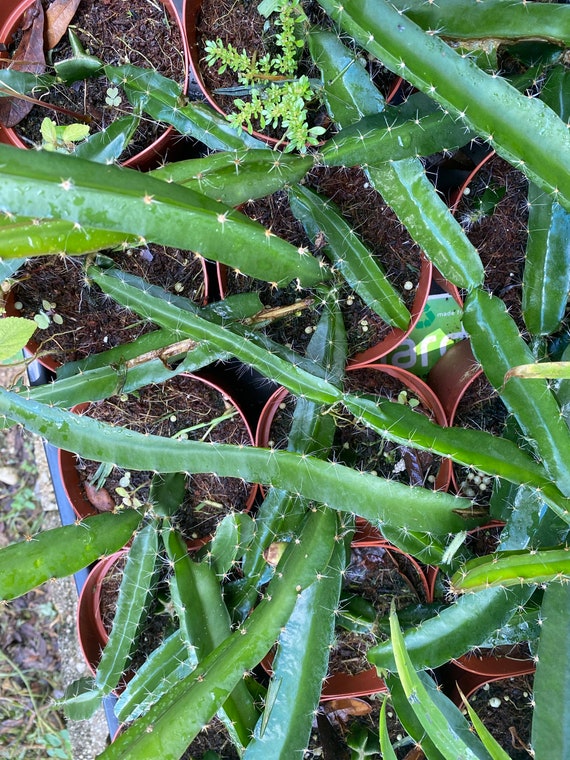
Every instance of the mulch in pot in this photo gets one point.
(338, 720)
(378, 228)
(90, 321)
(380, 577)
(358, 446)
(505, 707)
(501, 235)
(182, 403)
(140, 33)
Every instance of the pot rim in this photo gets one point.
(91, 632)
(470, 675)
(396, 335)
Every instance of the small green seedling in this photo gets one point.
(112, 97)
(278, 97)
(62, 139)
(484, 205)
(403, 399)
(46, 315)
(128, 494)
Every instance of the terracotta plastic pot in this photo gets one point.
(394, 337)
(91, 631)
(11, 12)
(72, 483)
(340, 685)
(452, 375)
(470, 672)
(415, 384)
(450, 378)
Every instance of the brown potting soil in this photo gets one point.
(505, 707)
(339, 719)
(179, 405)
(213, 737)
(501, 236)
(91, 321)
(360, 447)
(140, 33)
(246, 29)
(379, 577)
(378, 228)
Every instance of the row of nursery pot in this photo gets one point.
(377, 325)
(464, 675)
(497, 682)
(278, 574)
(201, 407)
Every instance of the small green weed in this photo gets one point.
(278, 98)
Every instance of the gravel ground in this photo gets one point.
(39, 654)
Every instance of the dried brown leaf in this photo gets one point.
(29, 56)
(58, 17)
(340, 710)
(99, 498)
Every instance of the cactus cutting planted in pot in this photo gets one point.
(244, 603)
(188, 407)
(33, 32)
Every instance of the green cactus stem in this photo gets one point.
(485, 452)
(60, 552)
(550, 727)
(349, 255)
(496, 20)
(499, 347)
(455, 630)
(123, 200)
(403, 184)
(523, 130)
(378, 500)
(179, 715)
(512, 569)
(205, 623)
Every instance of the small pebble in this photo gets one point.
(494, 702)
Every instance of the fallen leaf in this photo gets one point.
(29, 56)
(99, 498)
(339, 711)
(58, 18)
